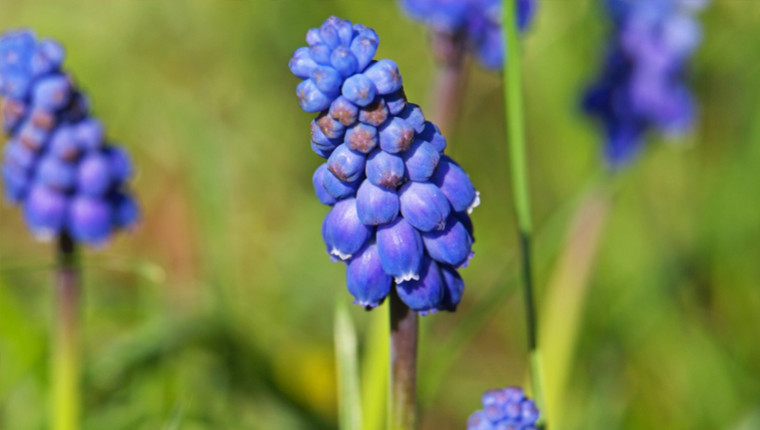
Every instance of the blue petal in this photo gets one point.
(364, 47)
(451, 246)
(311, 98)
(376, 205)
(57, 174)
(301, 63)
(375, 113)
(327, 80)
(330, 127)
(319, 186)
(344, 61)
(420, 160)
(396, 135)
(343, 232)
(385, 75)
(455, 185)
(424, 206)
(359, 89)
(337, 188)
(425, 293)
(347, 164)
(453, 288)
(396, 102)
(361, 138)
(90, 220)
(366, 279)
(413, 116)
(45, 211)
(400, 248)
(344, 111)
(384, 169)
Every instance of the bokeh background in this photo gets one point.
(218, 312)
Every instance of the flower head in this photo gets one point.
(641, 86)
(400, 208)
(57, 163)
(477, 22)
(506, 408)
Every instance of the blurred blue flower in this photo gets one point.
(57, 164)
(641, 86)
(477, 22)
(400, 208)
(506, 408)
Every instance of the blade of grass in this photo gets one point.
(566, 295)
(375, 371)
(349, 396)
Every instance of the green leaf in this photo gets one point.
(346, 361)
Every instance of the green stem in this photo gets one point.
(403, 403)
(515, 124)
(66, 353)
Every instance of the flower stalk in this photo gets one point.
(403, 384)
(65, 360)
(515, 123)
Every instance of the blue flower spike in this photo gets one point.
(506, 408)
(57, 164)
(399, 207)
(641, 86)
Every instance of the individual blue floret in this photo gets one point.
(399, 206)
(57, 164)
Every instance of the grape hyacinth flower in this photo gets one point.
(478, 23)
(57, 164)
(506, 408)
(641, 86)
(400, 208)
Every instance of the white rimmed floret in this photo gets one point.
(336, 252)
(409, 276)
(475, 202)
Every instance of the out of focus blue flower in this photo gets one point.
(57, 164)
(400, 208)
(506, 408)
(641, 86)
(477, 22)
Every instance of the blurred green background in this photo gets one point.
(217, 313)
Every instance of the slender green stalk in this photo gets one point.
(515, 124)
(403, 399)
(66, 406)
(347, 367)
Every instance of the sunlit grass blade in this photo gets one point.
(178, 416)
(375, 370)
(346, 361)
(566, 295)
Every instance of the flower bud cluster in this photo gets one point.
(400, 207)
(56, 163)
(478, 22)
(507, 408)
(641, 85)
